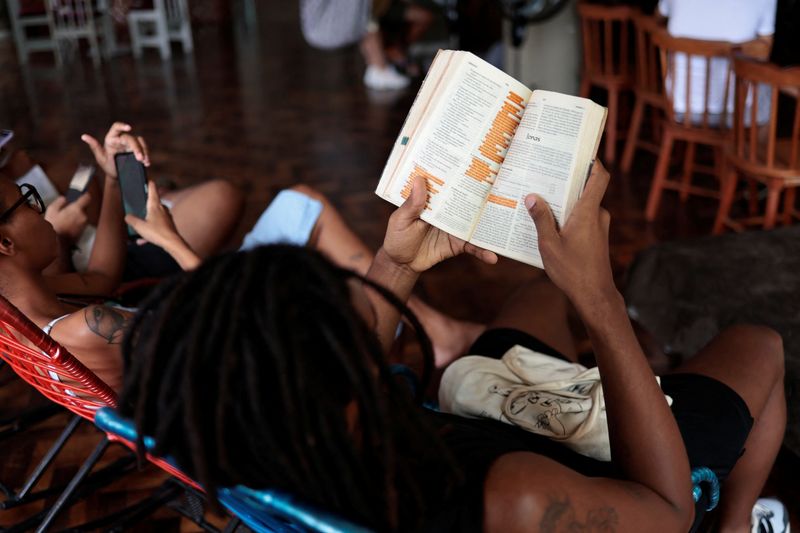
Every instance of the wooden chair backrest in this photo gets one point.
(670, 48)
(71, 17)
(606, 32)
(648, 63)
(756, 144)
(48, 366)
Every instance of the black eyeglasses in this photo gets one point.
(29, 195)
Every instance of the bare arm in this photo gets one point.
(107, 262)
(159, 228)
(645, 442)
(411, 246)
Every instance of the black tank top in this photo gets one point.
(476, 444)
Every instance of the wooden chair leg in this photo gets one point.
(727, 192)
(752, 197)
(660, 176)
(633, 136)
(788, 206)
(773, 199)
(688, 167)
(586, 87)
(611, 126)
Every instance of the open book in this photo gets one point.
(483, 141)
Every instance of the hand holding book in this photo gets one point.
(415, 244)
(576, 256)
(482, 141)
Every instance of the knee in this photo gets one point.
(310, 192)
(769, 342)
(226, 195)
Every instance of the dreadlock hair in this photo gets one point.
(242, 371)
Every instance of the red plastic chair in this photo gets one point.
(58, 375)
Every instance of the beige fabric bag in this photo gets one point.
(539, 393)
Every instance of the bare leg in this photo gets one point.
(372, 49)
(749, 359)
(206, 214)
(333, 237)
(539, 308)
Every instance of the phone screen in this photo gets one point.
(133, 182)
(79, 182)
(5, 136)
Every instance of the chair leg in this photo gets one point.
(633, 136)
(136, 44)
(660, 176)
(586, 87)
(83, 471)
(611, 126)
(688, 167)
(49, 456)
(752, 197)
(788, 206)
(727, 192)
(773, 199)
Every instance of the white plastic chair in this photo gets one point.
(71, 20)
(20, 25)
(168, 21)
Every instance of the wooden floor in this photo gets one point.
(257, 106)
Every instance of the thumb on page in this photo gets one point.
(415, 203)
(542, 217)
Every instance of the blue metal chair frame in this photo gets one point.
(260, 510)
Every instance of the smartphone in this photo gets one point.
(5, 136)
(133, 182)
(79, 182)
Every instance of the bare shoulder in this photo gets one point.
(92, 326)
(528, 492)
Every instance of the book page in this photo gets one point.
(459, 144)
(550, 156)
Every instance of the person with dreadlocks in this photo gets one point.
(267, 368)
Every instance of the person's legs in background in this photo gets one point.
(206, 214)
(749, 360)
(379, 74)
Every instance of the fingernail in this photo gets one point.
(530, 201)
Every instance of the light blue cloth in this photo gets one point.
(289, 219)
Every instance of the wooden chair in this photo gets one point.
(607, 60)
(649, 89)
(26, 15)
(702, 121)
(166, 21)
(756, 151)
(70, 21)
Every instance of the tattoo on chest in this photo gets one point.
(560, 517)
(105, 322)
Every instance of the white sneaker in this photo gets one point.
(769, 516)
(385, 79)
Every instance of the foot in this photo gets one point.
(451, 338)
(384, 79)
(769, 516)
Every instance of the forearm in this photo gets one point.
(110, 246)
(645, 440)
(182, 253)
(396, 278)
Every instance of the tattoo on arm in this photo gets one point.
(106, 322)
(559, 516)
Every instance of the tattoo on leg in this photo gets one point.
(560, 517)
(106, 322)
